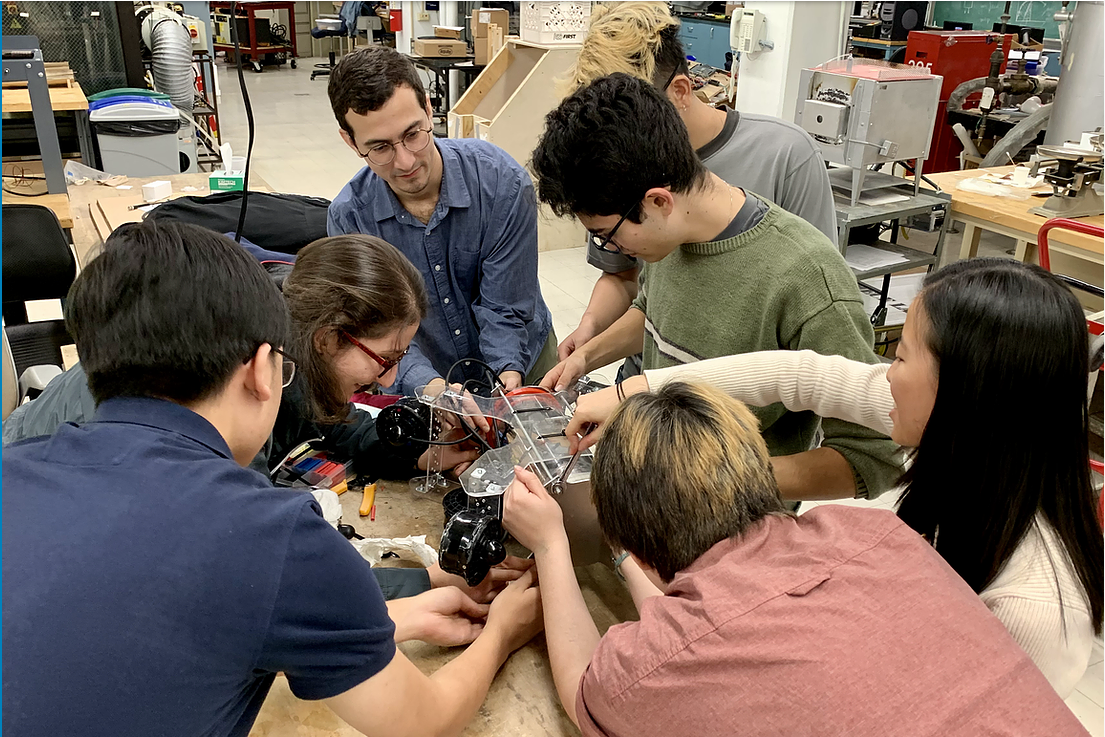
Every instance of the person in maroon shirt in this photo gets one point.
(843, 621)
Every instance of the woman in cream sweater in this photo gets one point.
(989, 390)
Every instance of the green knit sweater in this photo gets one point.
(780, 285)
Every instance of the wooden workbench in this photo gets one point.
(62, 99)
(1011, 217)
(18, 100)
(59, 203)
(84, 200)
(522, 701)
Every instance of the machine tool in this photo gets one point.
(1072, 171)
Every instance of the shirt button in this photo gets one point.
(446, 300)
(437, 267)
(456, 332)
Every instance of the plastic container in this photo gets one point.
(137, 135)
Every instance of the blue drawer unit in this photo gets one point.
(707, 41)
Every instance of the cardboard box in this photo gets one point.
(226, 181)
(484, 17)
(489, 45)
(449, 31)
(439, 47)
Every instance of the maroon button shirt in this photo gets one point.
(840, 622)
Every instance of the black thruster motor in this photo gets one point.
(407, 424)
(471, 544)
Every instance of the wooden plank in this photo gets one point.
(61, 98)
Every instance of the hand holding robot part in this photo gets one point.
(532, 515)
(496, 580)
(594, 410)
(566, 373)
(444, 616)
(516, 614)
(466, 407)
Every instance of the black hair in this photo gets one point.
(366, 78)
(670, 57)
(170, 310)
(1008, 437)
(610, 142)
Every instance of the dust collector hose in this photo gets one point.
(172, 63)
(959, 94)
(1017, 138)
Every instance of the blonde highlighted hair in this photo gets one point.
(626, 37)
(677, 472)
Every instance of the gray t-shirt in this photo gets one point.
(775, 159)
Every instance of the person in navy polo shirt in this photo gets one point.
(463, 211)
(182, 582)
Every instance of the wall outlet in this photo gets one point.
(423, 15)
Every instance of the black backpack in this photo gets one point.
(276, 222)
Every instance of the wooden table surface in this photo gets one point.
(84, 200)
(18, 100)
(1007, 215)
(522, 701)
(59, 203)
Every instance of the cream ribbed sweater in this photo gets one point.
(1024, 596)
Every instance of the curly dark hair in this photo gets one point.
(610, 142)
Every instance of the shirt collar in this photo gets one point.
(163, 415)
(454, 190)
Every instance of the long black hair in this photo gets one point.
(1008, 435)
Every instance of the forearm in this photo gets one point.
(569, 630)
(612, 296)
(624, 338)
(640, 586)
(461, 685)
(821, 473)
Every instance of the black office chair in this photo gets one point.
(323, 70)
(38, 264)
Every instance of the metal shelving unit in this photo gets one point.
(926, 210)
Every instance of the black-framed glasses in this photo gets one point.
(382, 153)
(674, 73)
(287, 367)
(603, 242)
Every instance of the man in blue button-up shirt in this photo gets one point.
(462, 211)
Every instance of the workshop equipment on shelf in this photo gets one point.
(862, 113)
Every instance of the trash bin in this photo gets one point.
(136, 134)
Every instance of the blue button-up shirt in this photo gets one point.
(477, 254)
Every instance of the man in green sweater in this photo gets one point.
(726, 272)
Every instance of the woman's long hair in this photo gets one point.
(358, 284)
(1008, 434)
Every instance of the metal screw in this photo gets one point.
(40, 74)
(28, 66)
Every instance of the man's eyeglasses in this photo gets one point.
(383, 152)
(287, 367)
(386, 364)
(603, 242)
(671, 78)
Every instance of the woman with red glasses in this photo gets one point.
(355, 303)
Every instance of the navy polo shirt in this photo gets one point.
(173, 586)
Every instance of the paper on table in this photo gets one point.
(865, 258)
